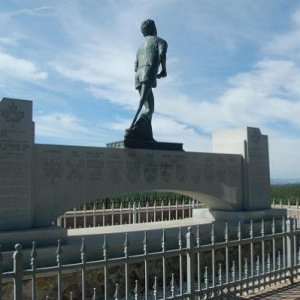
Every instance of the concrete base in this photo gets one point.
(45, 236)
(140, 144)
(207, 215)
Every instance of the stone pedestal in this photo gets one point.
(16, 157)
(150, 145)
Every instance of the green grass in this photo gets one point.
(280, 193)
(285, 193)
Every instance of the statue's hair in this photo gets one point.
(148, 28)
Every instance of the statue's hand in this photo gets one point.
(162, 74)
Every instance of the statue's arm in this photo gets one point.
(136, 62)
(163, 47)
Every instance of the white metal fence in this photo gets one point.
(143, 212)
(251, 259)
(133, 213)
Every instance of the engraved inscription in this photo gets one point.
(115, 170)
(95, 169)
(52, 169)
(12, 147)
(166, 171)
(15, 181)
(181, 172)
(75, 169)
(133, 171)
(150, 169)
(13, 169)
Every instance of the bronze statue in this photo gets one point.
(150, 56)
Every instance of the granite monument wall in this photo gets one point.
(40, 182)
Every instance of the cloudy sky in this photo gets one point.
(231, 64)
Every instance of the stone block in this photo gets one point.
(253, 146)
(16, 154)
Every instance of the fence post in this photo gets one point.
(84, 215)
(94, 214)
(145, 244)
(83, 273)
(18, 272)
(190, 263)
(126, 245)
(105, 258)
(163, 249)
(289, 248)
(74, 218)
(59, 275)
(33, 256)
(134, 219)
(1, 267)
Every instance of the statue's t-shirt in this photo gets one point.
(148, 59)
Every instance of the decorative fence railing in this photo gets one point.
(254, 258)
(130, 214)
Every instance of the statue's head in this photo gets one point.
(148, 28)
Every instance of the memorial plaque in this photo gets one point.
(16, 146)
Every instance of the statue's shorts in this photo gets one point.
(146, 75)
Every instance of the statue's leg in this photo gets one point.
(149, 104)
(144, 91)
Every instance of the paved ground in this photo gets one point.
(288, 292)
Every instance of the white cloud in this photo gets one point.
(42, 11)
(14, 67)
(284, 157)
(286, 44)
(95, 50)
(67, 129)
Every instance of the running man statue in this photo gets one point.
(150, 56)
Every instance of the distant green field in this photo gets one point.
(285, 193)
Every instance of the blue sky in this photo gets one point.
(231, 64)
